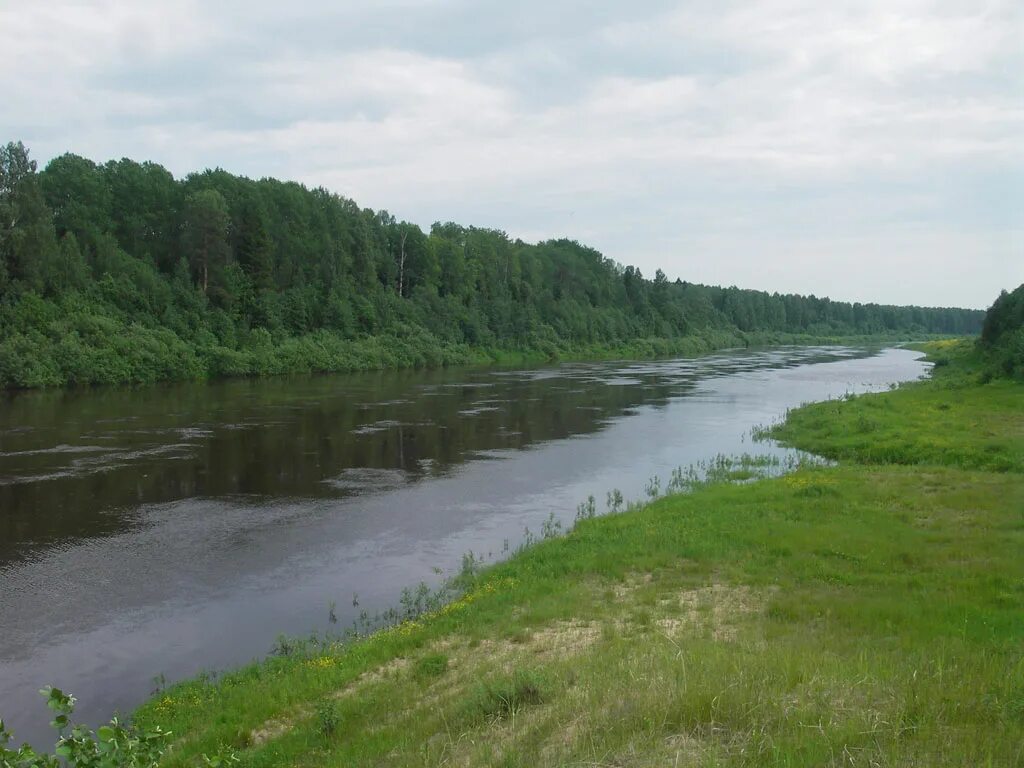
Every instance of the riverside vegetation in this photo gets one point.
(120, 273)
(865, 613)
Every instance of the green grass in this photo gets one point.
(952, 420)
(870, 613)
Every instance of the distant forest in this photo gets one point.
(120, 273)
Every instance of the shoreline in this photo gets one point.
(370, 356)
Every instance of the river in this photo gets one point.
(168, 530)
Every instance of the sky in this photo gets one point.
(868, 150)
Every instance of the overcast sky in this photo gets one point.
(870, 150)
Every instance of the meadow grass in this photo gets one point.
(952, 420)
(869, 613)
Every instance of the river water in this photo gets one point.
(175, 529)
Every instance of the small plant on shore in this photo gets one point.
(550, 528)
(506, 697)
(614, 501)
(529, 539)
(284, 646)
(416, 602)
(327, 718)
(681, 480)
(471, 565)
(653, 488)
(114, 745)
(586, 510)
(865, 425)
(223, 757)
(430, 666)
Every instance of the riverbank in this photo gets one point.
(105, 352)
(870, 611)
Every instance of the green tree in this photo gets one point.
(254, 250)
(71, 273)
(77, 192)
(27, 242)
(1005, 316)
(145, 207)
(205, 236)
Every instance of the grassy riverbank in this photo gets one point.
(869, 613)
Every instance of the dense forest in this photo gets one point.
(120, 273)
(1002, 335)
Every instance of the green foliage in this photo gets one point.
(205, 239)
(953, 423)
(215, 260)
(1002, 335)
(28, 246)
(224, 756)
(430, 666)
(327, 718)
(504, 697)
(110, 746)
(1004, 317)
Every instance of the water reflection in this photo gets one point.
(90, 459)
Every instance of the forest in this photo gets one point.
(120, 273)
(1002, 334)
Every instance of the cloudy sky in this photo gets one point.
(869, 150)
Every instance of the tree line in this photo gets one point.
(119, 272)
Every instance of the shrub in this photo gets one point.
(505, 697)
(431, 665)
(110, 746)
(327, 718)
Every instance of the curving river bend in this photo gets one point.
(168, 530)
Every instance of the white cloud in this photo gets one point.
(629, 120)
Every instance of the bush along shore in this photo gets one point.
(864, 612)
(118, 355)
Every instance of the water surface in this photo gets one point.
(168, 530)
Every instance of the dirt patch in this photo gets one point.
(270, 730)
(276, 727)
(564, 638)
(382, 672)
(684, 749)
(716, 609)
(631, 584)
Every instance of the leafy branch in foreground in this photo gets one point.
(111, 746)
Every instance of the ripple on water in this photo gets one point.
(57, 449)
(368, 479)
(477, 411)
